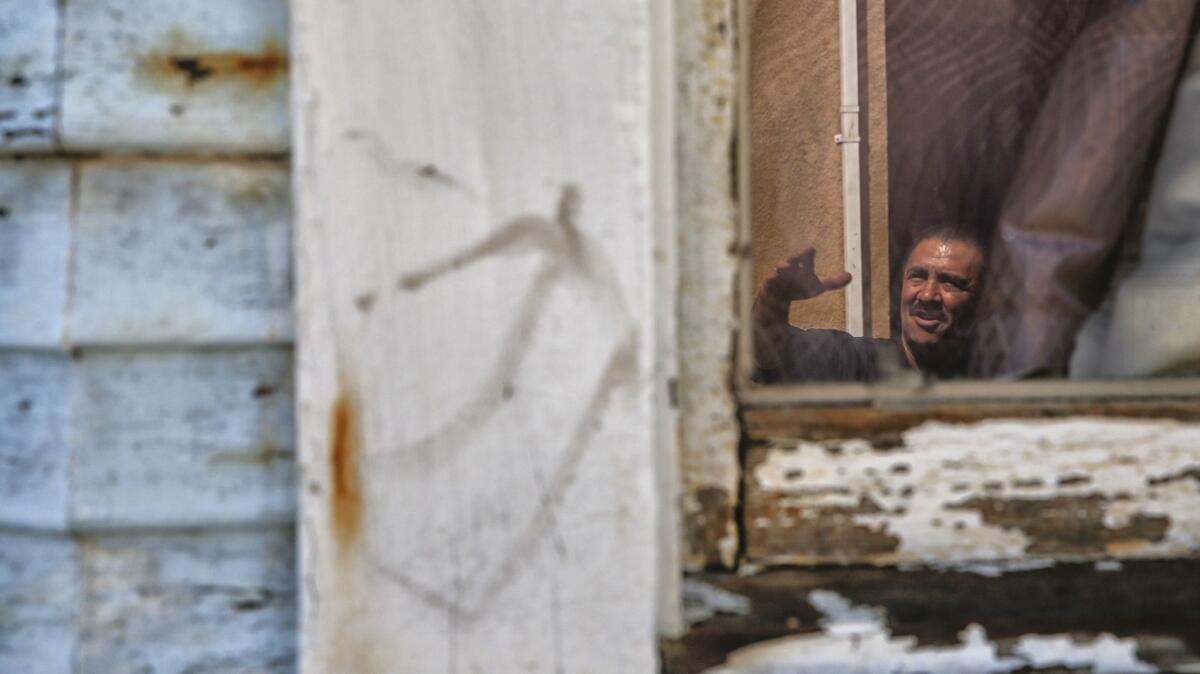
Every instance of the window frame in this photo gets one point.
(1096, 394)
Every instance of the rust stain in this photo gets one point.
(1068, 524)
(189, 66)
(346, 493)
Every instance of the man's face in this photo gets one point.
(939, 291)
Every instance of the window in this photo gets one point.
(909, 497)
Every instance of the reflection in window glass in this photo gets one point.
(1031, 182)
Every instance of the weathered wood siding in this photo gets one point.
(708, 429)
(1005, 489)
(146, 490)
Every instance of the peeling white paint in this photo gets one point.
(842, 619)
(1137, 468)
(1105, 655)
(856, 640)
(702, 601)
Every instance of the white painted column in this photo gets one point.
(483, 269)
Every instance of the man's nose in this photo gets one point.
(928, 292)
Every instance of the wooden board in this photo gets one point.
(998, 489)
(479, 257)
(708, 426)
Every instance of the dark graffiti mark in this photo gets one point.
(567, 259)
(620, 371)
(365, 301)
(387, 161)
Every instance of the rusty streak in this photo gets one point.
(195, 67)
(346, 494)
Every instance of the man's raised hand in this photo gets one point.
(794, 279)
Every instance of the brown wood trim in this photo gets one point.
(807, 421)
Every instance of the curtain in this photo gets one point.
(1150, 325)
(1032, 123)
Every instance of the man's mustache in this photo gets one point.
(930, 312)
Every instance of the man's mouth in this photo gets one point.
(927, 320)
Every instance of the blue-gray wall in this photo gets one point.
(146, 428)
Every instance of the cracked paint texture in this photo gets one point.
(994, 490)
(855, 638)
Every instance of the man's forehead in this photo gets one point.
(946, 254)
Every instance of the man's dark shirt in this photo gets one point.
(790, 354)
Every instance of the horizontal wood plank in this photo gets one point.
(181, 252)
(1150, 609)
(1074, 488)
(881, 423)
(175, 76)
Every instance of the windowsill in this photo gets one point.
(827, 410)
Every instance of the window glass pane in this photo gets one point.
(1030, 186)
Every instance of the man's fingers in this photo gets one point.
(799, 260)
(835, 281)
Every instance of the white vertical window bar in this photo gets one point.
(858, 300)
